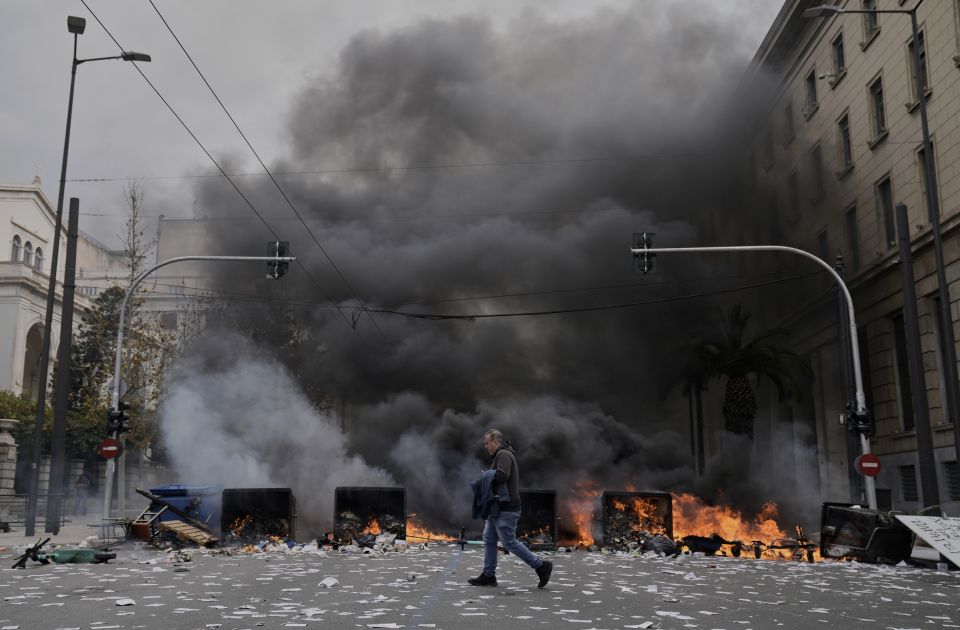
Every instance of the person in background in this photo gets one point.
(81, 489)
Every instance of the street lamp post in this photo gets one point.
(933, 212)
(279, 261)
(859, 416)
(75, 25)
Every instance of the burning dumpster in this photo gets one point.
(361, 511)
(538, 519)
(867, 535)
(635, 517)
(252, 514)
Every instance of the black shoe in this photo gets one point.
(483, 580)
(543, 572)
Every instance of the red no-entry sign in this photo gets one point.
(109, 448)
(868, 464)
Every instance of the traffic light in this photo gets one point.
(859, 422)
(642, 261)
(278, 249)
(117, 419)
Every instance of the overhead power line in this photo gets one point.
(264, 166)
(211, 158)
(249, 298)
(418, 167)
(585, 309)
(409, 217)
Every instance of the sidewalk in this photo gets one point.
(78, 529)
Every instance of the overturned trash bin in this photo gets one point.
(194, 504)
(253, 514)
(537, 528)
(872, 536)
(199, 502)
(364, 511)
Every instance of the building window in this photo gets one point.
(885, 208)
(871, 21)
(951, 472)
(27, 254)
(878, 112)
(38, 260)
(923, 66)
(788, 129)
(905, 397)
(908, 483)
(844, 143)
(839, 60)
(922, 172)
(853, 238)
(810, 104)
(823, 245)
(766, 149)
(816, 172)
(793, 198)
(168, 321)
(15, 250)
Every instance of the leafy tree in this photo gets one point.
(82, 438)
(734, 357)
(147, 348)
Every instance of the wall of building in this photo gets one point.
(847, 214)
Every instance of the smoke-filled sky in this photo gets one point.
(452, 159)
(259, 56)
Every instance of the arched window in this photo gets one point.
(38, 260)
(28, 253)
(15, 252)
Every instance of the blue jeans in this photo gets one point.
(504, 528)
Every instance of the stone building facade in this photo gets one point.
(837, 146)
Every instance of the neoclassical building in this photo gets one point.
(27, 218)
(836, 147)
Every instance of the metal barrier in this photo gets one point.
(13, 509)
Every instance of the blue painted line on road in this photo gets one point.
(430, 600)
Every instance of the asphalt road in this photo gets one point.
(426, 588)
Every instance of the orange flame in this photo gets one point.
(693, 517)
(581, 508)
(373, 527)
(417, 532)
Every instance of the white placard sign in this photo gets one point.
(943, 534)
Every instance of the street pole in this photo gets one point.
(55, 492)
(75, 25)
(918, 383)
(31, 513)
(115, 398)
(856, 480)
(861, 404)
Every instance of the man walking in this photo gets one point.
(501, 524)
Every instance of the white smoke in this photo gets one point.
(235, 417)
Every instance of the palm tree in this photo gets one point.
(735, 358)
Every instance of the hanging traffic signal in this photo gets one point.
(643, 261)
(117, 419)
(859, 422)
(114, 422)
(278, 249)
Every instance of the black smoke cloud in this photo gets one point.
(454, 159)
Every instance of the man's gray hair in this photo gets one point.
(494, 434)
